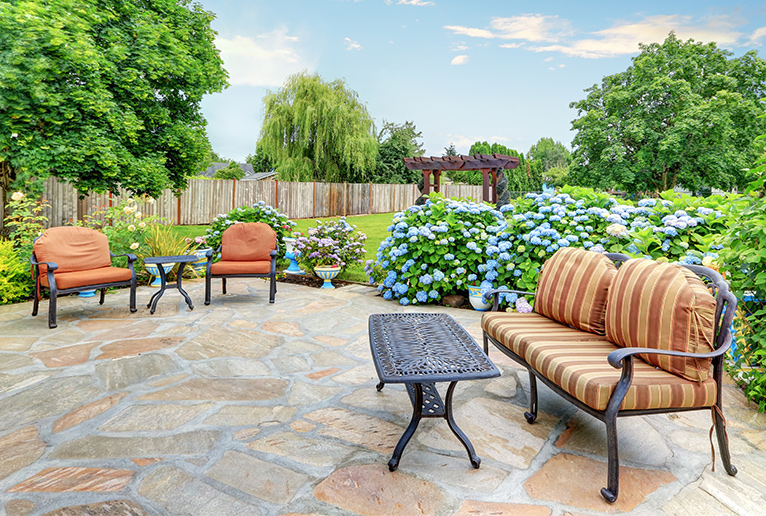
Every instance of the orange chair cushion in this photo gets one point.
(72, 249)
(75, 279)
(662, 306)
(233, 267)
(573, 288)
(248, 242)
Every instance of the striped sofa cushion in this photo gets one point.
(582, 370)
(515, 330)
(573, 288)
(662, 306)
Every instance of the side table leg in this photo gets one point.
(417, 411)
(475, 460)
(380, 386)
(163, 279)
(181, 290)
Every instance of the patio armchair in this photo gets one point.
(73, 259)
(248, 250)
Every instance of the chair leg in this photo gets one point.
(223, 284)
(207, 288)
(486, 344)
(35, 304)
(531, 416)
(133, 297)
(611, 492)
(272, 288)
(723, 440)
(103, 294)
(52, 311)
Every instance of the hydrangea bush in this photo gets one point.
(436, 249)
(330, 243)
(260, 212)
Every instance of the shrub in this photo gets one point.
(330, 243)
(259, 212)
(434, 250)
(232, 171)
(26, 222)
(15, 281)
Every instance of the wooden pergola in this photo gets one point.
(489, 164)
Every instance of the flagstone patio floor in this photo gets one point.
(249, 408)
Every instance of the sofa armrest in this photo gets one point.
(495, 293)
(617, 356)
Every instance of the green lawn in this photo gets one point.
(374, 226)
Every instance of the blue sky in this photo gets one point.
(500, 71)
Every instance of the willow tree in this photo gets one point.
(106, 93)
(317, 130)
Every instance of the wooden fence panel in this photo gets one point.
(248, 193)
(358, 199)
(296, 199)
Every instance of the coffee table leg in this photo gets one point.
(157, 295)
(417, 412)
(380, 386)
(178, 285)
(475, 460)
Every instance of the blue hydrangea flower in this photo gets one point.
(426, 279)
(421, 296)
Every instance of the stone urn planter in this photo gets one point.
(154, 271)
(476, 299)
(327, 273)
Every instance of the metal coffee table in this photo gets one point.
(420, 350)
(159, 260)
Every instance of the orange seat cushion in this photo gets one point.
(577, 362)
(72, 248)
(573, 288)
(234, 267)
(663, 306)
(248, 242)
(75, 279)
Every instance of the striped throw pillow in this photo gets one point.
(662, 306)
(573, 288)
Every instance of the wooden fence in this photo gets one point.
(204, 199)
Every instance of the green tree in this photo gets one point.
(231, 171)
(684, 113)
(526, 177)
(105, 93)
(450, 151)
(396, 142)
(551, 154)
(259, 161)
(317, 130)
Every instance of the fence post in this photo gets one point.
(233, 193)
(313, 199)
(276, 204)
(370, 210)
(178, 215)
(345, 199)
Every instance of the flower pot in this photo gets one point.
(290, 254)
(201, 263)
(87, 293)
(154, 271)
(476, 299)
(327, 274)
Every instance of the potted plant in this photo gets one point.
(161, 240)
(329, 247)
(199, 248)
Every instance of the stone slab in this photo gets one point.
(372, 490)
(144, 418)
(242, 343)
(269, 482)
(125, 348)
(109, 508)
(242, 415)
(357, 428)
(576, 481)
(179, 492)
(19, 449)
(86, 412)
(101, 447)
(474, 508)
(201, 389)
(9, 362)
(74, 479)
(67, 356)
(121, 374)
(230, 368)
(19, 507)
(314, 452)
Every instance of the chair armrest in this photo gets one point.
(495, 293)
(51, 265)
(273, 253)
(131, 257)
(617, 356)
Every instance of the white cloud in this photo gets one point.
(459, 60)
(265, 60)
(547, 59)
(351, 44)
(757, 35)
(459, 48)
(421, 3)
(620, 39)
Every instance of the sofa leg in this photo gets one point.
(611, 492)
(531, 416)
(223, 284)
(52, 311)
(103, 294)
(723, 440)
(486, 344)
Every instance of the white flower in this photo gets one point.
(617, 230)
(138, 214)
(17, 196)
(707, 261)
(142, 225)
(131, 228)
(129, 209)
(134, 245)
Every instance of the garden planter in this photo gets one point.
(154, 271)
(327, 274)
(476, 299)
(290, 254)
(201, 263)
(87, 293)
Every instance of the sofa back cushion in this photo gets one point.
(72, 249)
(248, 242)
(573, 288)
(662, 306)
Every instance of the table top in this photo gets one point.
(422, 348)
(183, 258)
